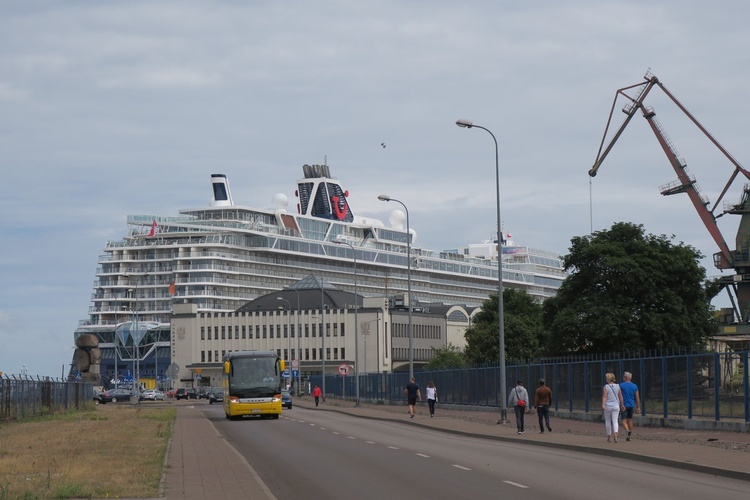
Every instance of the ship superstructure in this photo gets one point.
(224, 255)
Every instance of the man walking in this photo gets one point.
(631, 399)
(542, 402)
(316, 394)
(411, 391)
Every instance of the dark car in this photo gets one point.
(203, 392)
(216, 395)
(286, 399)
(115, 396)
(186, 393)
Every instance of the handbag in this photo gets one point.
(519, 402)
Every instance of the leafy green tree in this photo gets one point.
(629, 291)
(445, 358)
(523, 331)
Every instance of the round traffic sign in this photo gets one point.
(295, 363)
(343, 369)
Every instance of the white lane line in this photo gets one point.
(517, 485)
(422, 455)
(350, 437)
(370, 442)
(311, 425)
(337, 433)
(322, 428)
(460, 467)
(393, 447)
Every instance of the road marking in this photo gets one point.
(370, 442)
(350, 437)
(337, 433)
(422, 455)
(517, 485)
(393, 447)
(460, 467)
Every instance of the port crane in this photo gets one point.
(737, 285)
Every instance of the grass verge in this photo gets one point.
(105, 451)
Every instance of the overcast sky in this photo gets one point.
(116, 108)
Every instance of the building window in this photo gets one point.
(335, 329)
(209, 356)
(244, 331)
(343, 328)
(265, 335)
(307, 330)
(343, 353)
(203, 333)
(335, 353)
(203, 356)
(223, 333)
(237, 332)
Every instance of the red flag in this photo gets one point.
(172, 290)
(153, 229)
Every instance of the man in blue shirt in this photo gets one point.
(631, 399)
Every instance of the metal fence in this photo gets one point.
(706, 385)
(22, 397)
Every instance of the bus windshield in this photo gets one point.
(254, 377)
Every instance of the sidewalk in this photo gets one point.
(200, 464)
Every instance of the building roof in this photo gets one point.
(306, 294)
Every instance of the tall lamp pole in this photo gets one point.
(323, 337)
(356, 322)
(500, 322)
(288, 334)
(299, 347)
(384, 197)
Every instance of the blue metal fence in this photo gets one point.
(22, 397)
(706, 385)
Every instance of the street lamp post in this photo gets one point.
(299, 347)
(323, 337)
(356, 322)
(136, 347)
(288, 333)
(500, 322)
(384, 197)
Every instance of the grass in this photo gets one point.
(104, 451)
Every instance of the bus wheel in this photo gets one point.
(275, 416)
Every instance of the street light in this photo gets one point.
(500, 322)
(299, 346)
(288, 333)
(136, 338)
(385, 197)
(356, 322)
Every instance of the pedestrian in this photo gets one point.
(611, 405)
(411, 391)
(519, 399)
(316, 394)
(431, 397)
(631, 399)
(542, 402)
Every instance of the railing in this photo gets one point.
(22, 397)
(708, 386)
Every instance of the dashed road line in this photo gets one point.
(517, 485)
(460, 467)
(422, 455)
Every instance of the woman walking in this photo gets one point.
(611, 404)
(431, 397)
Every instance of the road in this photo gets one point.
(326, 455)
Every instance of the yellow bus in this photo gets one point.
(252, 384)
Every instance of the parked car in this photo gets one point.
(170, 393)
(186, 393)
(216, 395)
(115, 396)
(152, 395)
(203, 392)
(286, 399)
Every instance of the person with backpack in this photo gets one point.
(519, 399)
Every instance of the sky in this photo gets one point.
(116, 108)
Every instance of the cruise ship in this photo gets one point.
(224, 255)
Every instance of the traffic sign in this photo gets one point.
(295, 373)
(286, 373)
(343, 369)
(295, 363)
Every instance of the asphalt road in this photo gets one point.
(327, 455)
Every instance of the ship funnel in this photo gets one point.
(222, 196)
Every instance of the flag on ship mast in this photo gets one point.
(153, 229)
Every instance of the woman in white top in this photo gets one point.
(611, 404)
(431, 397)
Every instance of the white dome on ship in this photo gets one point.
(397, 219)
(280, 201)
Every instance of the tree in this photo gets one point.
(523, 329)
(629, 291)
(446, 357)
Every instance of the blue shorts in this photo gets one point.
(628, 413)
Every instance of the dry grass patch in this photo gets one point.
(106, 451)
